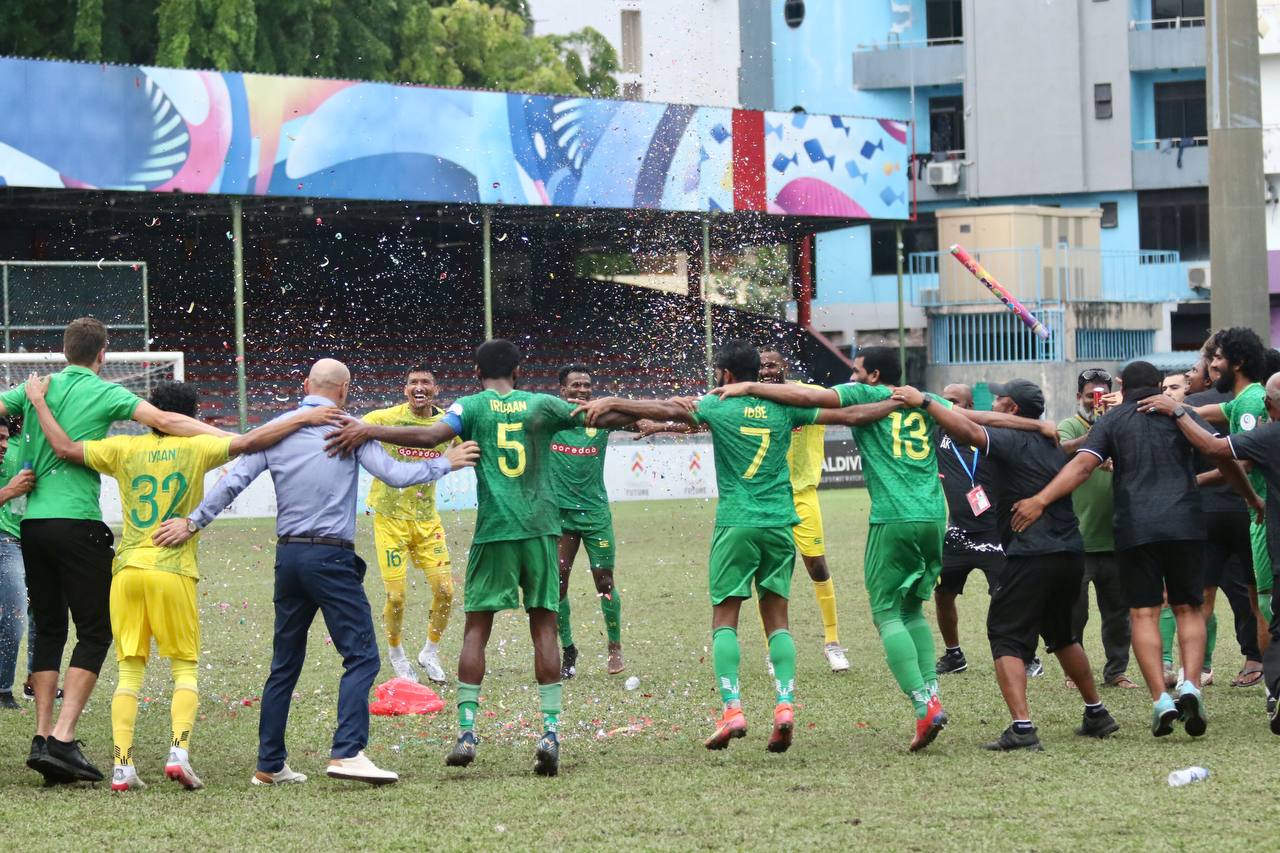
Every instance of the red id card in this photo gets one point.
(978, 500)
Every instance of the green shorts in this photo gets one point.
(741, 555)
(498, 573)
(902, 558)
(1261, 557)
(596, 530)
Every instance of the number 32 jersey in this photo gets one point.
(515, 496)
(160, 477)
(898, 459)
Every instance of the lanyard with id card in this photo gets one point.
(977, 496)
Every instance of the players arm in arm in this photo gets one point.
(251, 442)
(914, 398)
(811, 397)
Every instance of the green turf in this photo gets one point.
(847, 780)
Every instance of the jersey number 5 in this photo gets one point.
(507, 443)
(915, 442)
(763, 433)
(145, 488)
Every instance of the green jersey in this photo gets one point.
(898, 459)
(750, 438)
(577, 469)
(1093, 502)
(516, 499)
(85, 405)
(1246, 412)
(9, 468)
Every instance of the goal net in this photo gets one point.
(137, 371)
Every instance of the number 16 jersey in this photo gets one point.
(898, 459)
(514, 492)
(161, 477)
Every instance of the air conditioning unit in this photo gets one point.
(1198, 277)
(943, 174)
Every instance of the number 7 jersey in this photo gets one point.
(161, 477)
(515, 496)
(897, 459)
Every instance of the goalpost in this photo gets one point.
(137, 371)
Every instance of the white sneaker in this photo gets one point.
(429, 660)
(768, 663)
(360, 769)
(283, 776)
(125, 778)
(835, 657)
(400, 663)
(178, 768)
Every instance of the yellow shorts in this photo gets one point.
(400, 539)
(808, 533)
(148, 603)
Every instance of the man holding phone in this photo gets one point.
(1094, 508)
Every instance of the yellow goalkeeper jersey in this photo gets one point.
(808, 450)
(413, 502)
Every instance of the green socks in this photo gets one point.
(549, 700)
(1210, 640)
(782, 652)
(904, 662)
(564, 623)
(1168, 625)
(611, 607)
(922, 638)
(725, 657)
(1264, 604)
(468, 703)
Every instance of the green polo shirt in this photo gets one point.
(9, 468)
(1093, 501)
(85, 405)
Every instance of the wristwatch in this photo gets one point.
(1179, 410)
(928, 401)
(191, 527)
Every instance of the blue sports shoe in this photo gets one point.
(1191, 710)
(546, 760)
(1163, 715)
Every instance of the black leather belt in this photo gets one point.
(317, 540)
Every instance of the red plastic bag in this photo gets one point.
(402, 696)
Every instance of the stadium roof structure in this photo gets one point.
(67, 125)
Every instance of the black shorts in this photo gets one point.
(1034, 600)
(1149, 571)
(68, 563)
(956, 569)
(1228, 551)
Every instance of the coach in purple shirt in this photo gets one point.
(317, 569)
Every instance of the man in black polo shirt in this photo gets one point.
(1159, 534)
(1042, 571)
(1261, 446)
(972, 540)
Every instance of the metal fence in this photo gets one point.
(41, 297)
(995, 337)
(1113, 344)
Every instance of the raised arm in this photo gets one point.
(800, 396)
(172, 423)
(1027, 511)
(380, 464)
(1211, 412)
(955, 424)
(354, 433)
(63, 446)
(1005, 421)
(272, 433)
(1214, 447)
(655, 410)
(861, 414)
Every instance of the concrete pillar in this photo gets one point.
(1237, 230)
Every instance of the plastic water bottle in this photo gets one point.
(632, 683)
(1186, 776)
(18, 506)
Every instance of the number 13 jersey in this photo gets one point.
(160, 477)
(898, 459)
(514, 491)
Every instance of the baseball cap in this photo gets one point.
(1024, 392)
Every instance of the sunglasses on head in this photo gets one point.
(1094, 374)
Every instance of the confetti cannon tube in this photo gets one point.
(1000, 293)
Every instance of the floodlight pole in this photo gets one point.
(902, 334)
(237, 254)
(486, 230)
(706, 293)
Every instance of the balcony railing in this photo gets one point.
(1170, 143)
(1037, 276)
(1167, 23)
(993, 337)
(895, 44)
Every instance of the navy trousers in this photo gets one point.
(331, 580)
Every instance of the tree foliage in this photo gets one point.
(484, 44)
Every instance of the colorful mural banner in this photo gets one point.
(80, 126)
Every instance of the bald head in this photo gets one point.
(329, 378)
(959, 394)
(1273, 391)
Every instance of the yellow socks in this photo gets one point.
(441, 603)
(393, 610)
(186, 698)
(826, 594)
(124, 707)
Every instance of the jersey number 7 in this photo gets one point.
(763, 433)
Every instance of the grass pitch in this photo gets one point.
(634, 773)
